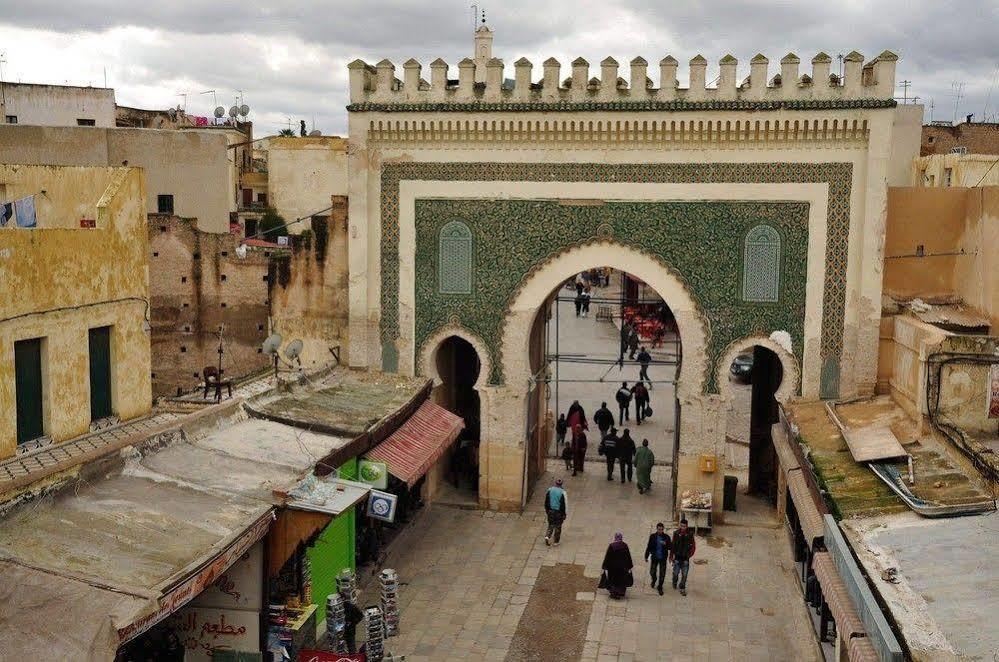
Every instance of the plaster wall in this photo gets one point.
(191, 165)
(71, 280)
(67, 196)
(965, 387)
(977, 280)
(308, 289)
(913, 342)
(58, 105)
(302, 174)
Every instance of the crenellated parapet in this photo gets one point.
(870, 84)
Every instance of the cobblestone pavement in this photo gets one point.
(469, 575)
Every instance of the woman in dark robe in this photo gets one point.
(578, 449)
(618, 565)
(576, 416)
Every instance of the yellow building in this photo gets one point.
(74, 343)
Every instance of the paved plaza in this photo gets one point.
(469, 576)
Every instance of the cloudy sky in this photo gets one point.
(288, 59)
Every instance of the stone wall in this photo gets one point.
(977, 138)
(197, 283)
(308, 288)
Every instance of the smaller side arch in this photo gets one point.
(427, 365)
(791, 378)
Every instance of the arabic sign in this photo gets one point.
(202, 631)
(239, 587)
(198, 582)
(381, 505)
(994, 391)
(323, 656)
(373, 473)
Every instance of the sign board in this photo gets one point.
(239, 587)
(373, 473)
(994, 391)
(324, 656)
(202, 631)
(88, 222)
(381, 505)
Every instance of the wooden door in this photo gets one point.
(100, 373)
(28, 389)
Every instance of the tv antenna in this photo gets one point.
(219, 112)
(183, 95)
(905, 85)
(215, 98)
(293, 351)
(244, 110)
(270, 348)
(958, 87)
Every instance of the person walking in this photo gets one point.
(641, 395)
(567, 456)
(626, 454)
(578, 301)
(604, 419)
(626, 331)
(576, 416)
(608, 448)
(657, 554)
(586, 301)
(644, 359)
(617, 567)
(681, 553)
(623, 397)
(578, 449)
(561, 427)
(644, 460)
(632, 344)
(555, 509)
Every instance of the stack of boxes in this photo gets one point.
(336, 622)
(375, 647)
(389, 581)
(346, 585)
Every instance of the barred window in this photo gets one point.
(455, 259)
(761, 265)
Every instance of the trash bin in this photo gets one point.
(728, 495)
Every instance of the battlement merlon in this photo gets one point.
(378, 84)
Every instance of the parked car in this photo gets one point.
(742, 368)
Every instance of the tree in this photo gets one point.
(271, 224)
(286, 132)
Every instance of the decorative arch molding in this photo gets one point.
(547, 276)
(791, 379)
(427, 364)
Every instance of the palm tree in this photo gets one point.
(286, 132)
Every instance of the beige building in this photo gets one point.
(56, 105)
(74, 336)
(189, 173)
(956, 169)
(755, 208)
(302, 173)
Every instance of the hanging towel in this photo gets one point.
(6, 213)
(24, 209)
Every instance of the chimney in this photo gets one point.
(639, 78)
(667, 78)
(608, 78)
(550, 82)
(698, 68)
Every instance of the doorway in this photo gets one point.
(755, 375)
(458, 367)
(100, 373)
(28, 389)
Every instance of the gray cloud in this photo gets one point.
(289, 57)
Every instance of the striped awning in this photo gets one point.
(836, 596)
(804, 504)
(861, 650)
(411, 450)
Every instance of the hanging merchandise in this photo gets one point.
(6, 213)
(389, 584)
(336, 623)
(24, 210)
(374, 647)
(306, 575)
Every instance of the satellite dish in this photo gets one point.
(272, 344)
(219, 111)
(293, 350)
(233, 111)
(244, 110)
(315, 132)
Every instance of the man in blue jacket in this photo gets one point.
(657, 553)
(555, 508)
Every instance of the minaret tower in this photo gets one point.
(483, 49)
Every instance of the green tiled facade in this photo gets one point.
(718, 291)
(701, 242)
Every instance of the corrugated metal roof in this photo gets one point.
(953, 314)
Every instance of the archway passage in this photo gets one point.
(458, 367)
(608, 335)
(755, 375)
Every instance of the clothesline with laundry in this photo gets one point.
(18, 213)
